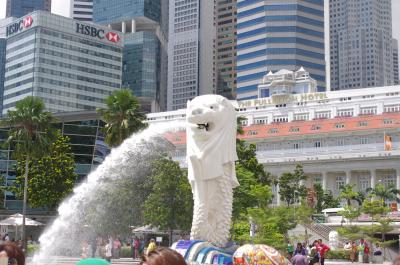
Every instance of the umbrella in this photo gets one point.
(258, 254)
(92, 262)
(16, 220)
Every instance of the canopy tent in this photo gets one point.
(16, 220)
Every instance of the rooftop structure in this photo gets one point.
(287, 82)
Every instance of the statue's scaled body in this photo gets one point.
(211, 156)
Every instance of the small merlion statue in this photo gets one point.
(211, 156)
(333, 240)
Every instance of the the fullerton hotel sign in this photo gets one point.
(282, 99)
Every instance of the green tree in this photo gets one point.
(351, 232)
(272, 225)
(170, 203)
(290, 188)
(30, 137)
(381, 223)
(51, 177)
(385, 193)
(122, 117)
(347, 193)
(252, 178)
(325, 199)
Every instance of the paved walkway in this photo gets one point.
(72, 261)
(128, 261)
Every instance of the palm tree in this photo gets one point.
(122, 117)
(347, 193)
(384, 193)
(30, 135)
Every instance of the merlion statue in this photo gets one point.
(211, 156)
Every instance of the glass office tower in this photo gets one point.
(144, 24)
(274, 35)
(19, 8)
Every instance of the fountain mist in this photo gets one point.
(85, 207)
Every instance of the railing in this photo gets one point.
(331, 150)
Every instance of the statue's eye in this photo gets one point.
(211, 107)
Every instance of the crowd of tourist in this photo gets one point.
(108, 248)
(308, 255)
(361, 251)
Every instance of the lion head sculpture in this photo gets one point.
(211, 134)
(211, 156)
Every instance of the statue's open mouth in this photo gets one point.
(202, 126)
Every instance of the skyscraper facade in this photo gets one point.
(19, 8)
(69, 64)
(274, 35)
(81, 10)
(3, 45)
(191, 50)
(361, 52)
(396, 62)
(144, 24)
(225, 14)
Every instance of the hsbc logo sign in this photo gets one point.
(97, 33)
(19, 26)
(113, 37)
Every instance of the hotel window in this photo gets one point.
(387, 121)
(364, 141)
(300, 117)
(340, 182)
(368, 111)
(363, 123)
(340, 142)
(281, 119)
(323, 115)
(244, 122)
(318, 144)
(392, 108)
(318, 180)
(252, 133)
(389, 181)
(297, 145)
(262, 120)
(345, 113)
(316, 127)
(273, 130)
(294, 129)
(364, 183)
(339, 125)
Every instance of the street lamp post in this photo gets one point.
(252, 229)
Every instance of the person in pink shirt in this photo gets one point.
(117, 248)
(322, 249)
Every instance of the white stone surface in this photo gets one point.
(211, 155)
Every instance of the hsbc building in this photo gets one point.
(72, 66)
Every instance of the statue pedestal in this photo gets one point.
(200, 252)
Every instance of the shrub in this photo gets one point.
(125, 252)
(32, 248)
(338, 254)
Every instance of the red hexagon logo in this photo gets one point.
(113, 37)
(28, 22)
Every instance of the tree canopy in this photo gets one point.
(122, 117)
(51, 177)
(169, 205)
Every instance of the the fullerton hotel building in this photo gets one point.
(340, 137)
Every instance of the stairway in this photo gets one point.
(319, 229)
